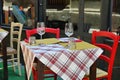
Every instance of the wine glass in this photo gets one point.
(69, 29)
(40, 29)
(69, 32)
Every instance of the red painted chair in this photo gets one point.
(47, 30)
(46, 71)
(111, 49)
(30, 33)
(53, 31)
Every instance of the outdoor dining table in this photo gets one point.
(69, 64)
(3, 35)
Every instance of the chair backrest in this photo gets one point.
(47, 30)
(53, 31)
(107, 47)
(30, 32)
(15, 34)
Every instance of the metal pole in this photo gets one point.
(42, 10)
(110, 15)
(81, 19)
(36, 12)
(1, 11)
(106, 15)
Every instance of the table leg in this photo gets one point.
(40, 69)
(5, 69)
(93, 72)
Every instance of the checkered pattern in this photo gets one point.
(3, 34)
(68, 64)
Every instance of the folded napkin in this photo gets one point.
(66, 39)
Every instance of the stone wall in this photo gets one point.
(89, 17)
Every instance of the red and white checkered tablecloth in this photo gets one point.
(68, 64)
(3, 34)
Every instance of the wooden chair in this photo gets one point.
(46, 70)
(109, 48)
(13, 52)
(47, 30)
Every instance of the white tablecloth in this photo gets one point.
(68, 64)
(3, 34)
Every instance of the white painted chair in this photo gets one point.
(13, 52)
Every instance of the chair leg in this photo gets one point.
(13, 62)
(19, 67)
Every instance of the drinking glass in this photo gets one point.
(71, 43)
(40, 29)
(69, 29)
(32, 40)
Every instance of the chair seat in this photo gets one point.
(11, 50)
(100, 73)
